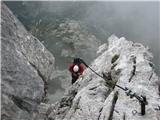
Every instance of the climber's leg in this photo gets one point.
(74, 78)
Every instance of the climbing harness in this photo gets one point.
(142, 99)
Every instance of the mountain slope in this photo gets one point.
(26, 68)
(90, 98)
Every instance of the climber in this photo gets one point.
(76, 69)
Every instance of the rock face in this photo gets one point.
(91, 98)
(69, 39)
(72, 33)
(26, 68)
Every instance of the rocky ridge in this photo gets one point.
(90, 98)
(27, 66)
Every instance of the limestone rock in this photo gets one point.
(26, 67)
(90, 98)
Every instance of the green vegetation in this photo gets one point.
(113, 83)
(115, 98)
(114, 58)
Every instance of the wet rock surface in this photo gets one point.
(26, 67)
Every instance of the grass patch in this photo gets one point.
(114, 58)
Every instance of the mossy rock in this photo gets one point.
(113, 83)
(115, 97)
(114, 58)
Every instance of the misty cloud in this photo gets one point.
(137, 21)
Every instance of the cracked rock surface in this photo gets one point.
(26, 67)
(90, 98)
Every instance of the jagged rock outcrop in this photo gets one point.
(90, 98)
(26, 67)
(70, 37)
(73, 34)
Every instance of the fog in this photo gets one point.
(137, 21)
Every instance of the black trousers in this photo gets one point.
(74, 79)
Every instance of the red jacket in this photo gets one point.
(81, 69)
